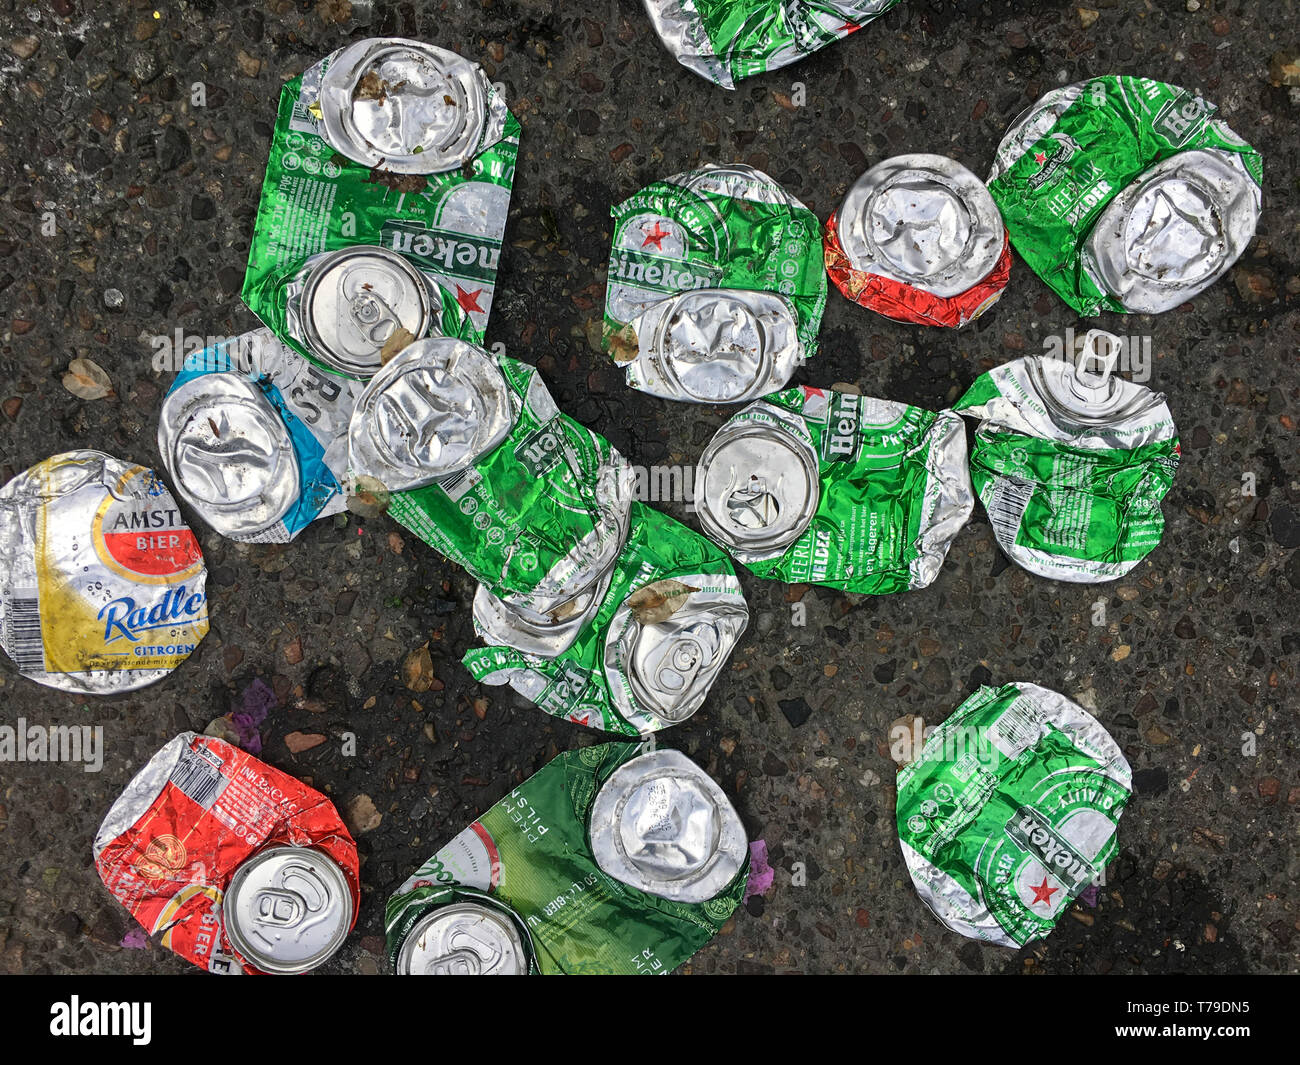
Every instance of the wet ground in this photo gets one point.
(1193, 670)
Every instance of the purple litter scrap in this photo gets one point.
(256, 702)
(761, 874)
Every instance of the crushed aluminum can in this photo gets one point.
(648, 656)
(1071, 462)
(232, 864)
(288, 909)
(531, 859)
(346, 305)
(408, 107)
(315, 199)
(432, 411)
(716, 287)
(1011, 810)
(539, 517)
(254, 437)
(661, 825)
(919, 239)
(498, 623)
(725, 42)
(815, 486)
(101, 580)
(1126, 194)
(467, 938)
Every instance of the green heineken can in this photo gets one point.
(1071, 462)
(1010, 811)
(670, 613)
(725, 40)
(614, 859)
(716, 286)
(1126, 194)
(479, 463)
(815, 486)
(384, 203)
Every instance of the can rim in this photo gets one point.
(463, 908)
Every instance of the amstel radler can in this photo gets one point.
(611, 859)
(101, 579)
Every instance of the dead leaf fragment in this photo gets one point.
(87, 380)
(399, 339)
(417, 670)
(658, 601)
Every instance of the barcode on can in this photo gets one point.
(198, 775)
(1006, 507)
(1016, 730)
(21, 634)
(457, 484)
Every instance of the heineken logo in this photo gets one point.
(1052, 851)
(540, 450)
(660, 273)
(1182, 117)
(458, 255)
(1052, 161)
(842, 438)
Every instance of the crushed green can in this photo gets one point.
(612, 859)
(1126, 194)
(716, 287)
(384, 203)
(670, 615)
(1010, 811)
(816, 486)
(1071, 462)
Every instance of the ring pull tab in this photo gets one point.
(1087, 382)
(373, 317)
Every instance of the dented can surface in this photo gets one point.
(919, 239)
(1071, 462)
(1009, 811)
(724, 42)
(716, 289)
(818, 486)
(254, 437)
(646, 657)
(101, 579)
(232, 864)
(465, 939)
(288, 909)
(530, 861)
(319, 197)
(1126, 194)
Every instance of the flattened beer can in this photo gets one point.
(1010, 811)
(609, 860)
(402, 155)
(716, 288)
(254, 437)
(1126, 194)
(919, 239)
(101, 580)
(526, 499)
(669, 616)
(1071, 462)
(724, 42)
(817, 486)
(234, 865)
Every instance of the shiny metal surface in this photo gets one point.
(463, 939)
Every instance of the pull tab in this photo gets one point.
(278, 907)
(1107, 362)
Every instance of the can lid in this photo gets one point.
(405, 106)
(463, 939)
(1087, 392)
(721, 345)
(662, 825)
(354, 299)
(229, 453)
(1175, 230)
(922, 220)
(757, 486)
(435, 408)
(667, 666)
(288, 909)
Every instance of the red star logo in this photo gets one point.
(656, 238)
(850, 27)
(1043, 893)
(469, 300)
(1039, 157)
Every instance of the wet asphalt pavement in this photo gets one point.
(1193, 670)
